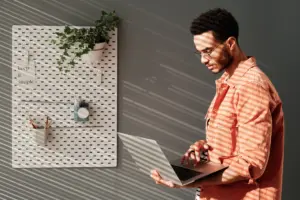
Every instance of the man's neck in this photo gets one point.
(239, 57)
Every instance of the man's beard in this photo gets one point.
(226, 61)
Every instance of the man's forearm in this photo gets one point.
(224, 177)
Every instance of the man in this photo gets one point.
(244, 123)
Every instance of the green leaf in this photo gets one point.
(91, 45)
(59, 34)
(84, 39)
(85, 51)
(63, 58)
(72, 62)
(66, 53)
(67, 30)
(78, 54)
(66, 46)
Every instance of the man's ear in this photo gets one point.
(231, 43)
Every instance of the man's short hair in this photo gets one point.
(219, 21)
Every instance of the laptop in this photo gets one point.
(148, 155)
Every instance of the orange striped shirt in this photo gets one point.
(245, 127)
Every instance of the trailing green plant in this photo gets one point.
(76, 42)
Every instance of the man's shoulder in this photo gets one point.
(256, 76)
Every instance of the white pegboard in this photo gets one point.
(39, 89)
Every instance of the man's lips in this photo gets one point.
(210, 67)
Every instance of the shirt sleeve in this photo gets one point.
(254, 130)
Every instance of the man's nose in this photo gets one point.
(204, 60)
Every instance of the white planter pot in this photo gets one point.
(96, 54)
(41, 135)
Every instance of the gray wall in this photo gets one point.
(164, 91)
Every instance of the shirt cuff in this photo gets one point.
(243, 168)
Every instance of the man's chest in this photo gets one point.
(221, 121)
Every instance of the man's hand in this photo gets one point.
(158, 180)
(194, 152)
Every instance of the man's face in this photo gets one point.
(214, 54)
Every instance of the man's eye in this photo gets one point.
(208, 51)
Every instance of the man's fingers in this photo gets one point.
(166, 183)
(197, 155)
(198, 147)
(170, 184)
(193, 156)
(194, 152)
(158, 180)
(183, 159)
(186, 156)
(155, 172)
(206, 147)
(155, 175)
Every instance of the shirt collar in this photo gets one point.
(239, 72)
